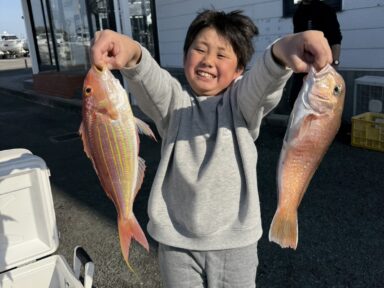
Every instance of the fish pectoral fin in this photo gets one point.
(284, 228)
(305, 126)
(108, 114)
(140, 175)
(104, 107)
(144, 128)
(113, 114)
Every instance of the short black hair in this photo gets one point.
(237, 28)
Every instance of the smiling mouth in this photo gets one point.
(205, 74)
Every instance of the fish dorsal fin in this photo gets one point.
(144, 128)
(140, 175)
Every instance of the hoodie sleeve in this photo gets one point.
(261, 88)
(156, 91)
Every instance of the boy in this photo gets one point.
(204, 206)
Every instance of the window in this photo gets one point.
(289, 6)
(63, 30)
(143, 23)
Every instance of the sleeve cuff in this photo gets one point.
(272, 66)
(136, 72)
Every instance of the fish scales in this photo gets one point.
(313, 124)
(109, 133)
(113, 149)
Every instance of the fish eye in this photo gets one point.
(88, 90)
(337, 90)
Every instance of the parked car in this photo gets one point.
(12, 46)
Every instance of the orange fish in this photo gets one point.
(313, 124)
(109, 132)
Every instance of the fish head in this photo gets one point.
(327, 90)
(101, 93)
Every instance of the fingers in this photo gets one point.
(95, 58)
(302, 50)
(103, 49)
(97, 51)
(316, 50)
(114, 51)
(97, 35)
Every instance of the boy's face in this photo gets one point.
(210, 65)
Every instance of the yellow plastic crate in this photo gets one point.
(368, 131)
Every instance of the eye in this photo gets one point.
(87, 90)
(337, 90)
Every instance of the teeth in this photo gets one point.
(205, 74)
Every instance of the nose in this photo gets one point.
(208, 60)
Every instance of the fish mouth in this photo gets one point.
(321, 97)
(325, 70)
(98, 69)
(321, 94)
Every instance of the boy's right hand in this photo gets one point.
(114, 51)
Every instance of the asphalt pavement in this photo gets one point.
(341, 230)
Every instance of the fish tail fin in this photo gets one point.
(284, 229)
(128, 229)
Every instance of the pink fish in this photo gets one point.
(110, 137)
(313, 124)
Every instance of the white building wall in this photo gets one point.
(361, 21)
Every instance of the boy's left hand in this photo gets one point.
(299, 51)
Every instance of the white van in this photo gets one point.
(11, 45)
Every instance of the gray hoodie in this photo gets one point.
(204, 195)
